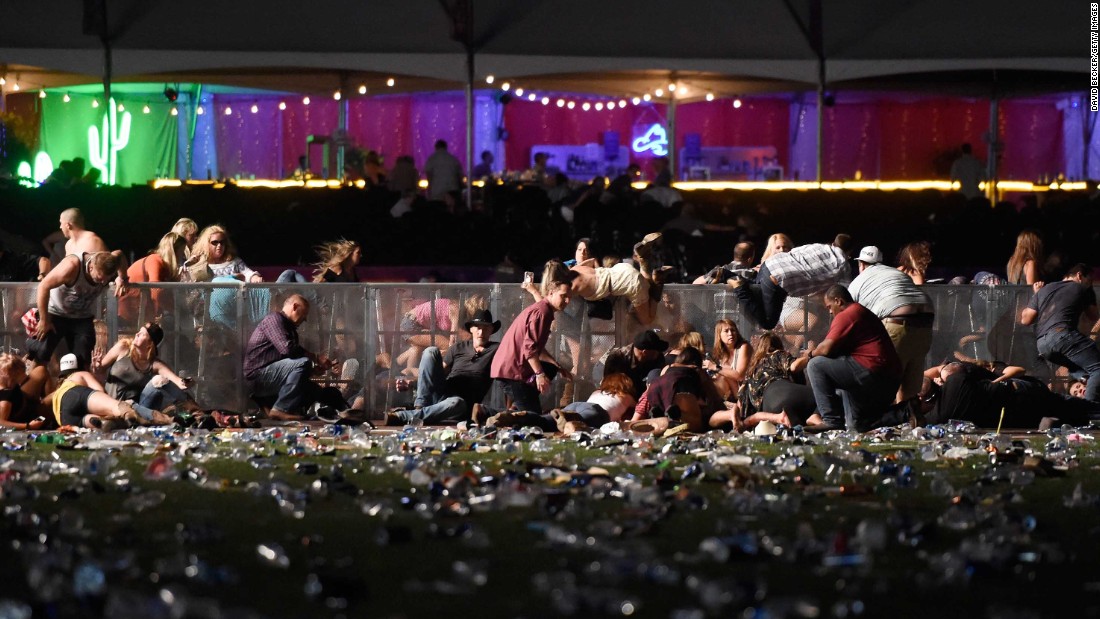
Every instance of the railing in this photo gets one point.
(207, 327)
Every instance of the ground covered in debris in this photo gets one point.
(331, 521)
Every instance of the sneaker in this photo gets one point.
(643, 251)
(326, 414)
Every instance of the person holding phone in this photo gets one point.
(134, 372)
(21, 393)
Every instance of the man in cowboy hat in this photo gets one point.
(450, 385)
(637, 359)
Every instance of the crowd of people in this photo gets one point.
(841, 338)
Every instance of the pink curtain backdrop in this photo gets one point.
(883, 138)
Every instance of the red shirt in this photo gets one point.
(525, 339)
(858, 333)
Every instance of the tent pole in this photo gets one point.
(994, 150)
(672, 136)
(470, 127)
(342, 128)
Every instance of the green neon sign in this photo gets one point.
(103, 153)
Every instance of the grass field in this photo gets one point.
(312, 522)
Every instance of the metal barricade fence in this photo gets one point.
(386, 326)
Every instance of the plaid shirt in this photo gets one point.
(275, 338)
(809, 269)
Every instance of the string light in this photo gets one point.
(587, 106)
(15, 86)
(41, 94)
(95, 102)
(121, 108)
(571, 104)
(145, 109)
(200, 111)
(546, 100)
(489, 79)
(710, 96)
(737, 103)
(390, 82)
(228, 111)
(659, 93)
(3, 81)
(599, 106)
(622, 103)
(560, 103)
(305, 100)
(337, 95)
(174, 112)
(635, 100)
(362, 89)
(282, 105)
(646, 97)
(519, 92)
(532, 97)
(255, 108)
(672, 87)
(66, 98)
(505, 86)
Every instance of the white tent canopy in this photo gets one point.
(54, 42)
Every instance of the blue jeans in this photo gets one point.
(161, 397)
(79, 336)
(762, 300)
(1073, 350)
(432, 404)
(524, 396)
(592, 414)
(288, 379)
(848, 393)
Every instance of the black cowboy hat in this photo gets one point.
(483, 317)
(649, 340)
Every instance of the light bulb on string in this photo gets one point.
(737, 103)
(255, 108)
(282, 105)
(174, 111)
(571, 104)
(95, 103)
(390, 82)
(66, 98)
(519, 92)
(710, 96)
(587, 106)
(532, 97)
(659, 93)
(337, 95)
(41, 94)
(560, 103)
(305, 100)
(15, 86)
(489, 79)
(145, 109)
(200, 111)
(228, 111)
(635, 100)
(622, 103)
(363, 89)
(546, 100)
(646, 97)
(599, 106)
(672, 87)
(121, 108)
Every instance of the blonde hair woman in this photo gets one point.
(729, 359)
(1023, 266)
(217, 249)
(777, 243)
(188, 229)
(338, 260)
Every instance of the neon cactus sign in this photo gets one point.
(103, 153)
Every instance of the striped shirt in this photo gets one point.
(809, 269)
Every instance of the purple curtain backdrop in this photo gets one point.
(876, 138)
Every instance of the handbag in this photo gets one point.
(197, 269)
(30, 321)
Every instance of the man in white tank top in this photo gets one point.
(70, 292)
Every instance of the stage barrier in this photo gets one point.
(207, 327)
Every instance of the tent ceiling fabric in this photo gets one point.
(758, 41)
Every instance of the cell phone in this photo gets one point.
(528, 277)
(39, 419)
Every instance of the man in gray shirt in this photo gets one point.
(905, 310)
(1056, 311)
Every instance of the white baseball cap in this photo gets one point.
(68, 363)
(870, 255)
